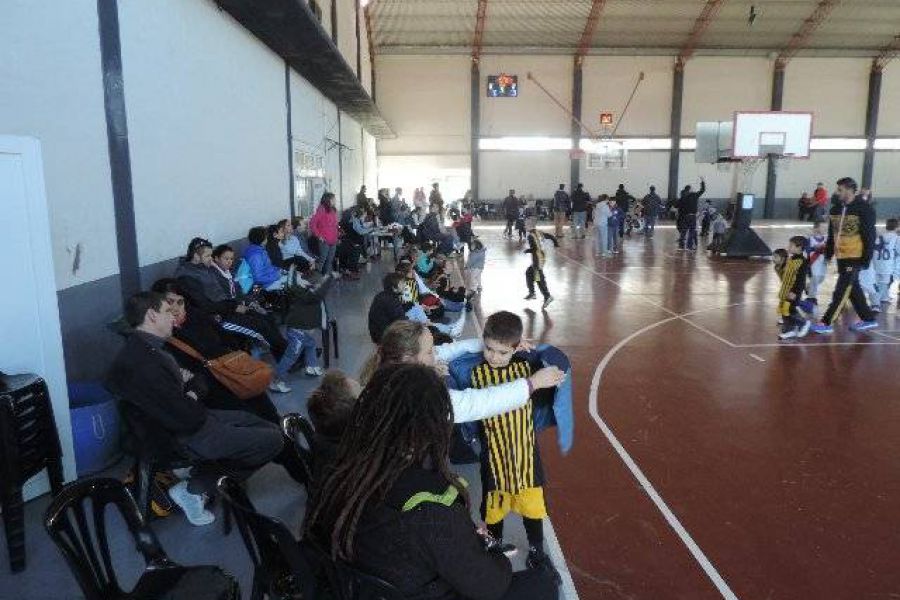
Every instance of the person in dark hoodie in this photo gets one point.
(391, 506)
(623, 201)
(386, 306)
(687, 217)
(851, 239)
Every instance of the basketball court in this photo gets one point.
(711, 460)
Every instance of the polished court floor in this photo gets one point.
(712, 460)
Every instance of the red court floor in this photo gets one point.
(711, 460)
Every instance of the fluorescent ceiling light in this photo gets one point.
(837, 144)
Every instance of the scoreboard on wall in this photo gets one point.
(502, 86)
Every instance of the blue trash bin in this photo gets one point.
(95, 427)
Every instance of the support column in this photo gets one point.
(475, 129)
(871, 126)
(675, 130)
(119, 149)
(771, 176)
(577, 92)
(290, 139)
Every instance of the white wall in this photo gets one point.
(410, 172)
(715, 87)
(889, 112)
(644, 169)
(886, 178)
(800, 176)
(532, 113)
(536, 173)
(835, 89)
(53, 90)
(208, 158)
(426, 101)
(607, 83)
(314, 118)
(718, 179)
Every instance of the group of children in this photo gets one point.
(802, 267)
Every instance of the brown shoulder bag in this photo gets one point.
(245, 376)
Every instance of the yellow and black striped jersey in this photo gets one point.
(411, 294)
(510, 458)
(793, 277)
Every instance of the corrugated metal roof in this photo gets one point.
(854, 28)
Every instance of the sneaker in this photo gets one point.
(457, 328)
(863, 325)
(822, 328)
(315, 371)
(547, 301)
(530, 296)
(279, 387)
(786, 335)
(191, 504)
(780, 321)
(804, 329)
(539, 561)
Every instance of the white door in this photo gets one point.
(30, 340)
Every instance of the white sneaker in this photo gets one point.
(192, 505)
(804, 329)
(788, 334)
(279, 387)
(457, 328)
(315, 371)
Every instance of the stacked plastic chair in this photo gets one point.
(29, 443)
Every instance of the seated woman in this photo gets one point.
(208, 284)
(391, 487)
(412, 342)
(276, 235)
(199, 332)
(294, 243)
(265, 273)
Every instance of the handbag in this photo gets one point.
(245, 376)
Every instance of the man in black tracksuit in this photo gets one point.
(687, 217)
(851, 239)
(511, 212)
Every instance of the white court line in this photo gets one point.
(556, 554)
(815, 344)
(758, 357)
(885, 334)
(661, 505)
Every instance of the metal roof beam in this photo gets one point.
(810, 24)
(479, 30)
(709, 12)
(887, 54)
(587, 36)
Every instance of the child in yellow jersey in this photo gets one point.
(535, 272)
(793, 273)
(511, 474)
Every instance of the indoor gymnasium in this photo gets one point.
(450, 299)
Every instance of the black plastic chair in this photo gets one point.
(300, 431)
(280, 570)
(29, 444)
(345, 581)
(80, 535)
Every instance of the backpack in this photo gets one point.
(243, 277)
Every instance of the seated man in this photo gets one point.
(169, 401)
(265, 274)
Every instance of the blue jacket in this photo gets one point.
(557, 412)
(264, 272)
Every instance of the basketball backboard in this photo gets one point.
(757, 134)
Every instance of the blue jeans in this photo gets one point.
(601, 241)
(649, 224)
(612, 237)
(326, 254)
(578, 221)
(688, 231)
(300, 344)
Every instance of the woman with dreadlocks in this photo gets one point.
(393, 509)
(412, 342)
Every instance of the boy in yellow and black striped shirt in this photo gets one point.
(793, 273)
(511, 474)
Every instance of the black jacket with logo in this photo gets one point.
(851, 233)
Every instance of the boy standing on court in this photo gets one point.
(512, 477)
(535, 272)
(793, 282)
